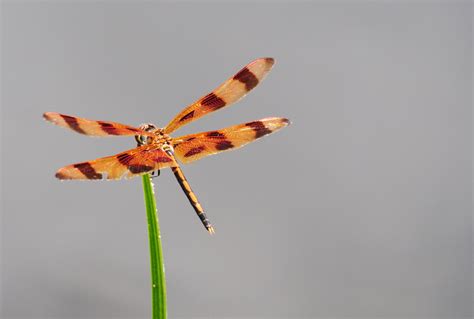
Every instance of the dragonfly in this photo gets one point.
(157, 150)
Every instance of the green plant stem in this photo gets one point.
(158, 280)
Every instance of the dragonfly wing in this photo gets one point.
(192, 147)
(227, 93)
(92, 127)
(134, 162)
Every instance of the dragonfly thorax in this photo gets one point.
(160, 136)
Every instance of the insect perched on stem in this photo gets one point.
(157, 149)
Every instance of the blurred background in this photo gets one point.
(361, 208)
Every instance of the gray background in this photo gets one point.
(361, 208)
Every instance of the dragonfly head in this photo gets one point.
(143, 139)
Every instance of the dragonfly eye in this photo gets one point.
(148, 127)
(141, 139)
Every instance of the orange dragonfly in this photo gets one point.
(156, 149)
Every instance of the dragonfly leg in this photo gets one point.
(155, 173)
